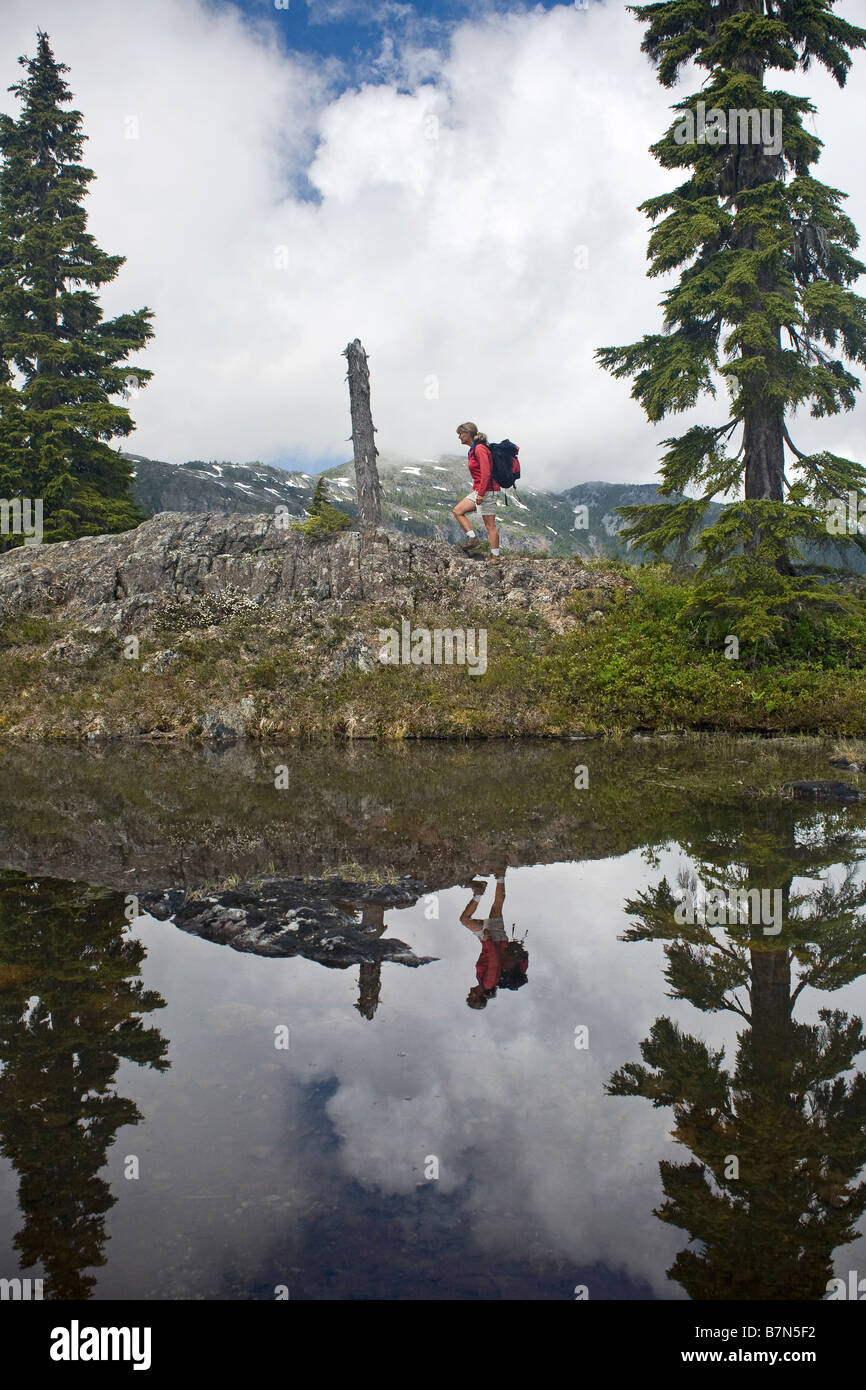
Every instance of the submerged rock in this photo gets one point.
(821, 791)
(847, 764)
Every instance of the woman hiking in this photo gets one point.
(483, 497)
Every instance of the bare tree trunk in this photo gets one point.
(366, 472)
(370, 979)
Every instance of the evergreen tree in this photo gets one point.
(765, 252)
(60, 363)
(324, 518)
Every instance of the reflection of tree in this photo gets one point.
(794, 1125)
(370, 978)
(70, 1008)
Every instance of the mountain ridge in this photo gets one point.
(417, 497)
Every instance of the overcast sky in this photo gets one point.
(454, 184)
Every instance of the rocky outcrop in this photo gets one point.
(120, 583)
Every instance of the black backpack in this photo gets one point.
(506, 465)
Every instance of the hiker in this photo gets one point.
(484, 495)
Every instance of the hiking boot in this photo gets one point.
(493, 559)
(472, 543)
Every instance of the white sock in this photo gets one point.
(470, 535)
(494, 552)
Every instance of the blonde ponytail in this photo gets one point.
(478, 437)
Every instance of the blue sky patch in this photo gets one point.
(354, 31)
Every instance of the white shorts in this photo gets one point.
(486, 505)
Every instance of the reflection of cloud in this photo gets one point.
(534, 1157)
(392, 1152)
(237, 1018)
(527, 1128)
(516, 1115)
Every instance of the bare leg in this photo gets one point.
(492, 531)
(467, 916)
(467, 505)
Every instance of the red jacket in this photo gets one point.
(481, 467)
(488, 967)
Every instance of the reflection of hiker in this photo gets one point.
(485, 493)
(502, 962)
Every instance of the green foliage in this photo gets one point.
(60, 363)
(764, 251)
(25, 629)
(325, 519)
(631, 657)
(649, 663)
(744, 587)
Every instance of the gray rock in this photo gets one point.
(162, 661)
(72, 650)
(228, 723)
(232, 562)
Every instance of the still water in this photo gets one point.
(552, 1085)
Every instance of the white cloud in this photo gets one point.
(356, 11)
(454, 257)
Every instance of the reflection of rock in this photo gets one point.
(294, 917)
(144, 819)
(821, 791)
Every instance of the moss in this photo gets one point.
(643, 665)
(27, 630)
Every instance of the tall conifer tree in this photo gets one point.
(60, 363)
(763, 299)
